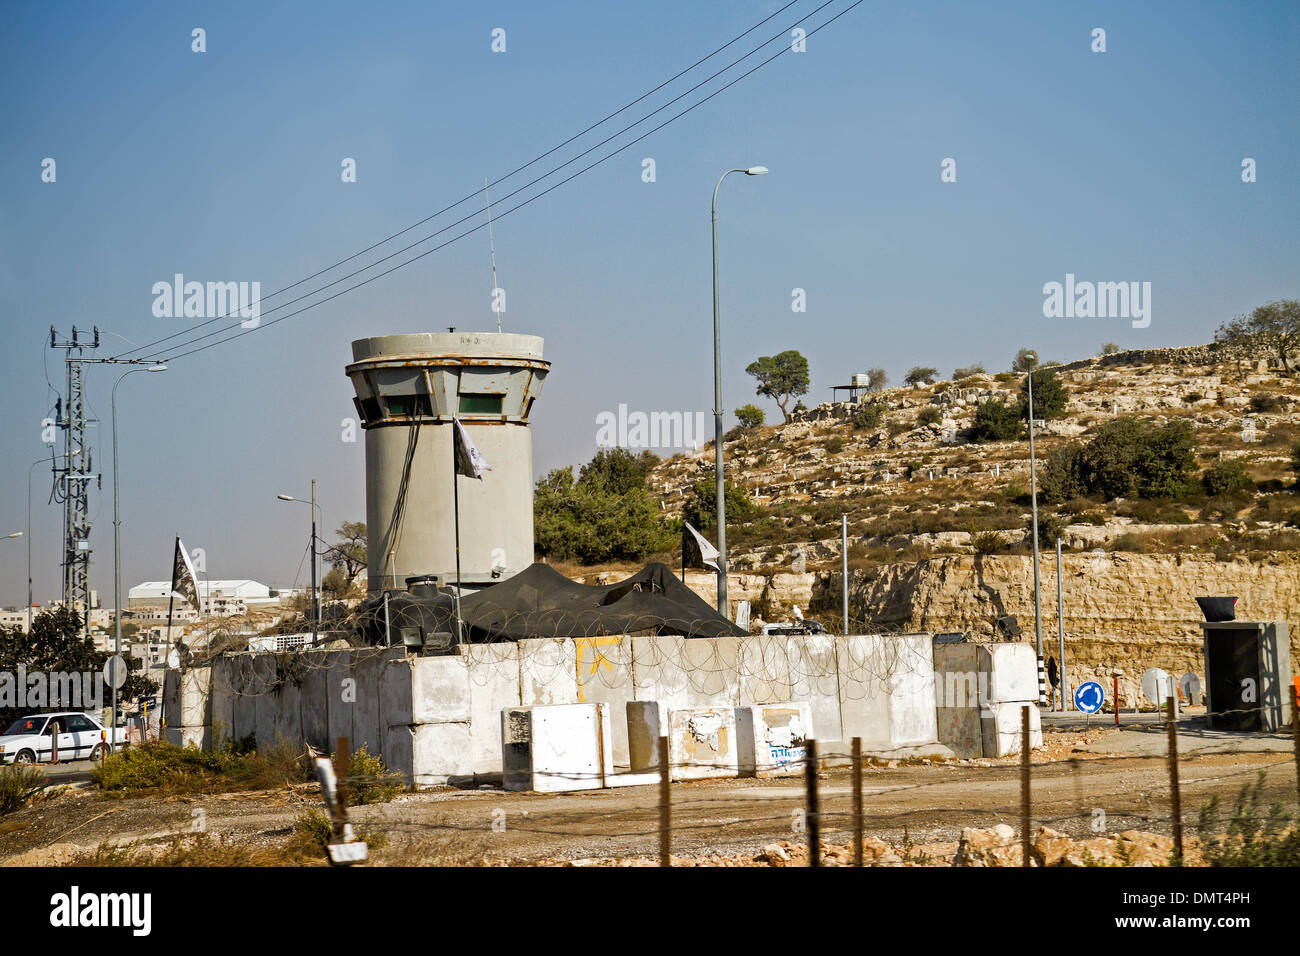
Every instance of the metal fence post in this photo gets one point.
(1175, 796)
(814, 810)
(1024, 785)
(857, 801)
(665, 807)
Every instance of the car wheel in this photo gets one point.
(99, 751)
(25, 756)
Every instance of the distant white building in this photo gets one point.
(219, 598)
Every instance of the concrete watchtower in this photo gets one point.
(408, 389)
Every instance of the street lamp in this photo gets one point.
(1031, 360)
(315, 600)
(717, 398)
(16, 534)
(117, 543)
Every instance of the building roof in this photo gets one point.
(233, 587)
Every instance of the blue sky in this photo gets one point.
(225, 165)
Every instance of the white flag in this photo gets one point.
(697, 552)
(469, 460)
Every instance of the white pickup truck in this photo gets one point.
(77, 736)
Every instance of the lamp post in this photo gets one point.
(1032, 359)
(117, 545)
(717, 399)
(315, 601)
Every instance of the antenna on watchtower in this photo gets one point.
(493, 251)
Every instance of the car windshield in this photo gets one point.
(26, 725)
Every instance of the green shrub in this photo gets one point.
(930, 415)
(1050, 395)
(158, 765)
(868, 415)
(1191, 398)
(1267, 403)
(369, 781)
(988, 542)
(315, 825)
(996, 421)
(749, 416)
(834, 445)
(18, 784)
(1129, 542)
(1227, 478)
(1128, 458)
(1250, 838)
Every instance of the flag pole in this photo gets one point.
(455, 497)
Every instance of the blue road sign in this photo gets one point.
(1089, 697)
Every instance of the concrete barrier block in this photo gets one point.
(367, 666)
(287, 723)
(245, 691)
(553, 747)
(764, 670)
(814, 677)
(315, 701)
(604, 675)
(223, 698)
(866, 667)
(265, 681)
(492, 671)
(340, 696)
(771, 738)
(547, 672)
(702, 742)
(694, 672)
(439, 752)
(1012, 672)
(911, 699)
(187, 697)
(1001, 728)
(647, 721)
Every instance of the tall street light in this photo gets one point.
(1031, 359)
(117, 543)
(315, 601)
(717, 399)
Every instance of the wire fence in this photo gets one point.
(1155, 809)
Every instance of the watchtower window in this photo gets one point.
(478, 404)
(407, 405)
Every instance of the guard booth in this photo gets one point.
(1245, 660)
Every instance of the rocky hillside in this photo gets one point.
(938, 524)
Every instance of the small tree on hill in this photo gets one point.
(781, 377)
(877, 379)
(1271, 330)
(920, 375)
(749, 416)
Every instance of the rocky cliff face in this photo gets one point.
(1127, 611)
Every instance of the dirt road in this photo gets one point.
(922, 804)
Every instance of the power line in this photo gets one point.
(509, 175)
(191, 351)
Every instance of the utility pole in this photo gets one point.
(1033, 493)
(1060, 631)
(76, 474)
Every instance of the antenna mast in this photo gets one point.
(492, 249)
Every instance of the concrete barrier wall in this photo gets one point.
(439, 718)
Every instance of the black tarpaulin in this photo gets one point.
(541, 602)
